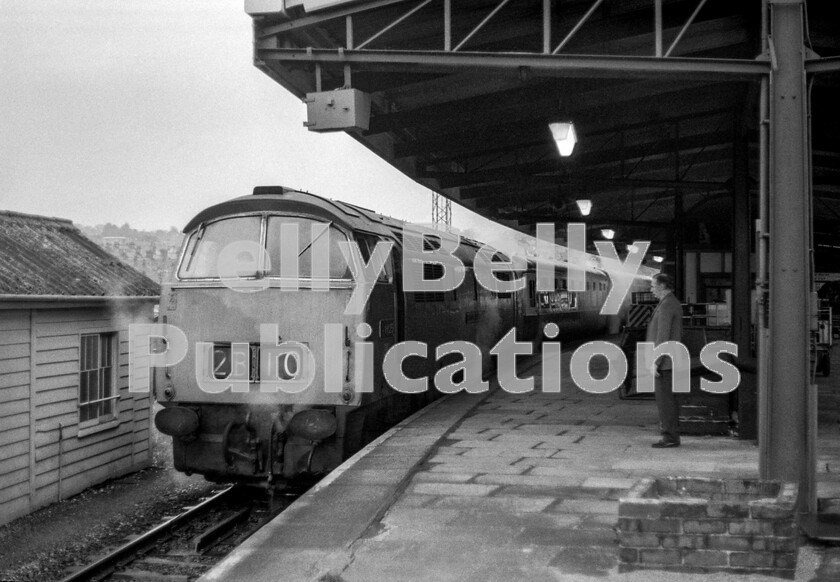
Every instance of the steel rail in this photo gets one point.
(211, 535)
(109, 561)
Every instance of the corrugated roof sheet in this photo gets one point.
(50, 256)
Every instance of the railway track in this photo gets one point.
(185, 546)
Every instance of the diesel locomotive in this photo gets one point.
(282, 315)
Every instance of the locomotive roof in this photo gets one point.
(286, 200)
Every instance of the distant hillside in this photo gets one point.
(153, 253)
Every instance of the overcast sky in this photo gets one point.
(145, 112)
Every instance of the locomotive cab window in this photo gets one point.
(367, 244)
(201, 258)
(314, 238)
(287, 239)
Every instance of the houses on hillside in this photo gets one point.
(153, 253)
(67, 419)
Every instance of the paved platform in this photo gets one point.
(504, 487)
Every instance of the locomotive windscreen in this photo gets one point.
(287, 239)
(311, 238)
(201, 258)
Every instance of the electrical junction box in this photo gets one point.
(337, 110)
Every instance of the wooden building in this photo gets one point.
(67, 419)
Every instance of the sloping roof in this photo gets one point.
(49, 256)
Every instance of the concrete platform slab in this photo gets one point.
(501, 487)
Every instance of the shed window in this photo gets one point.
(96, 377)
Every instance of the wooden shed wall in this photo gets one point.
(39, 391)
(15, 330)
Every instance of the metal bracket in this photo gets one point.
(771, 46)
(810, 54)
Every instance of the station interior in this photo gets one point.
(707, 128)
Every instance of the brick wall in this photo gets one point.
(709, 525)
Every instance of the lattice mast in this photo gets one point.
(441, 212)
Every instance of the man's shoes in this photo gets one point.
(665, 444)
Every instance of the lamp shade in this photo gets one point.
(607, 233)
(565, 136)
(585, 206)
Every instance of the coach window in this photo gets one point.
(201, 259)
(310, 235)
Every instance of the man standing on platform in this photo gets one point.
(665, 325)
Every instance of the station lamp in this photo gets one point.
(585, 206)
(658, 258)
(565, 137)
(607, 233)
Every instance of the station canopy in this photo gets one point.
(663, 94)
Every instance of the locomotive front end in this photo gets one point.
(264, 390)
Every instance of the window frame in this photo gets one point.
(262, 272)
(110, 419)
(197, 234)
(367, 242)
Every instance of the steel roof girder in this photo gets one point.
(316, 19)
(593, 64)
(822, 65)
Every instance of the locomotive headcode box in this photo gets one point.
(337, 110)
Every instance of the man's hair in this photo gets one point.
(665, 280)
